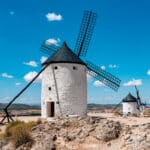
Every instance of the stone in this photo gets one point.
(127, 137)
(109, 144)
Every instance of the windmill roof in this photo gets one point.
(64, 55)
(130, 98)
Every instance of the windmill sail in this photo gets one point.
(103, 76)
(85, 33)
(48, 48)
(139, 103)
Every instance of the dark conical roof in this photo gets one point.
(130, 98)
(64, 55)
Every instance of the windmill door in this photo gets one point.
(50, 109)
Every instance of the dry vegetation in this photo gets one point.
(146, 112)
(19, 133)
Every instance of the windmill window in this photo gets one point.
(49, 88)
(55, 67)
(74, 68)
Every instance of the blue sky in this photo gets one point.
(120, 44)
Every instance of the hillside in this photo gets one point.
(19, 106)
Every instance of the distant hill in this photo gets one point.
(18, 106)
(102, 106)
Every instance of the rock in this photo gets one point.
(26, 146)
(127, 137)
(109, 144)
(70, 137)
(83, 134)
(54, 138)
(110, 131)
(53, 147)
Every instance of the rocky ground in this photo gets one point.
(88, 133)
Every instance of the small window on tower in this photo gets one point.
(49, 88)
(55, 67)
(74, 68)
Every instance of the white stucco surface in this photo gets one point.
(68, 89)
(130, 107)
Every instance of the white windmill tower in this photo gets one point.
(64, 82)
(132, 105)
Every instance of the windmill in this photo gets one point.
(66, 59)
(132, 105)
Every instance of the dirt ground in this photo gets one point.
(125, 120)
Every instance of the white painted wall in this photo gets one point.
(130, 107)
(72, 89)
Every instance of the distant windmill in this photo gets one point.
(64, 87)
(130, 104)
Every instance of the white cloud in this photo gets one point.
(52, 41)
(43, 59)
(103, 67)
(5, 98)
(11, 13)
(30, 75)
(89, 77)
(148, 72)
(31, 63)
(97, 83)
(18, 83)
(133, 82)
(5, 75)
(53, 17)
(113, 66)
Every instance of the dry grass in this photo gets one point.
(8, 132)
(117, 113)
(146, 112)
(21, 135)
(18, 132)
(39, 121)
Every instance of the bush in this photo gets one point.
(21, 135)
(117, 113)
(30, 125)
(1, 136)
(39, 121)
(10, 126)
(146, 112)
